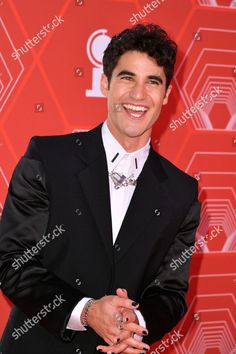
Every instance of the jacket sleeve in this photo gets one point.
(163, 301)
(29, 285)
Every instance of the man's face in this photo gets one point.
(136, 94)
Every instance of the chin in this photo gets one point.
(134, 133)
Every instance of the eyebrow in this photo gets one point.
(130, 73)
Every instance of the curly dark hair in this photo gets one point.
(145, 38)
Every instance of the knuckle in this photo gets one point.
(113, 300)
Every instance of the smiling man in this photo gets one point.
(136, 92)
(129, 212)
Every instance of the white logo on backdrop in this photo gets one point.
(97, 43)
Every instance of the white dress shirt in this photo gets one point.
(126, 163)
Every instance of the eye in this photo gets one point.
(154, 82)
(126, 77)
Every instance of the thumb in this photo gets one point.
(122, 293)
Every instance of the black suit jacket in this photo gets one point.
(62, 182)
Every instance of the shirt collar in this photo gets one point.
(113, 147)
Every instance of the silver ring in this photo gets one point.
(118, 317)
(119, 320)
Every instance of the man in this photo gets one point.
(93, 220)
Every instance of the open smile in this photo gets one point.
(135, 111)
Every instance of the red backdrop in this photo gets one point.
(49, 84)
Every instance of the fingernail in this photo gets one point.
(145, 333)
(127, 319)
(134, 303)
(145, 348)
(118, 339)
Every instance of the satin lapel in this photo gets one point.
(148, 201)
(95, 183)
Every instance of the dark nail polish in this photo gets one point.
(118, 339)
(145, 333)
(134, 303)
(145, 348)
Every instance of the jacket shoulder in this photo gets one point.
(178, 178)
(54, 145)
(42, 145)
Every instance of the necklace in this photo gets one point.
(119, 179)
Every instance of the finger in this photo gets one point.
(119, 340)
(135, 328)
(128, 345)
(136, 344)
(128, 316)
(122, 337)
(111, 340)
(112, 348)
(131, 350)
(135, 348)
(112, 332)
(113, 337)
(122, 348)
(122, 293)
(127, 303)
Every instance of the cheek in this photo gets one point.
(158, 102)
(119, 90)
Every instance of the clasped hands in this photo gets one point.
(113, 318)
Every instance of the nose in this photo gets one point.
(138, 91)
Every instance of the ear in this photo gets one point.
(104, 85)
(168, 91)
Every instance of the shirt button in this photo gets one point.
(78, 212)
(157, 212)
(38, 177)
(78, 142)
(117, 247)
(78, 282)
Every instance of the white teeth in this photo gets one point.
(135, 108)
(135, 115)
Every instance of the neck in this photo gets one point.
(129, 144)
